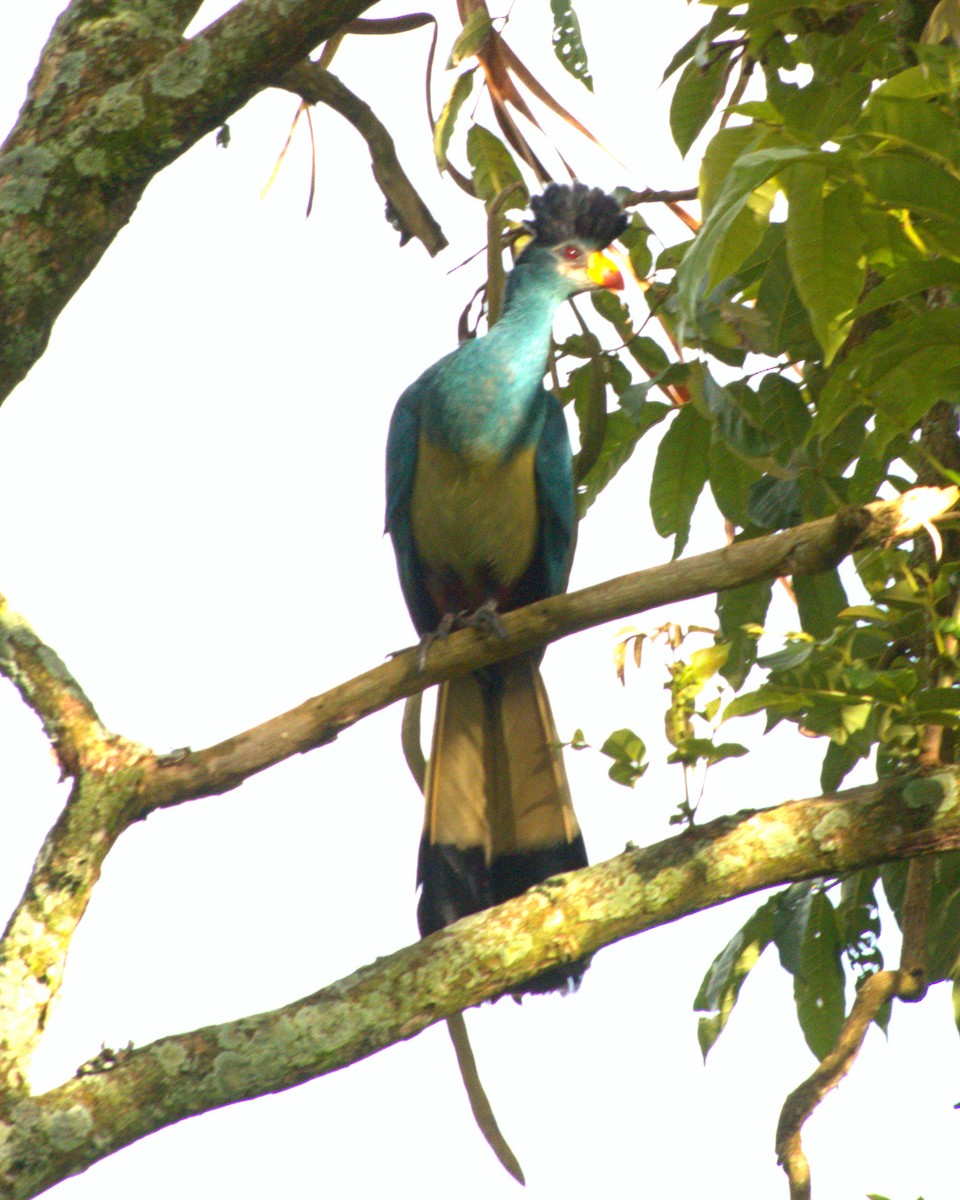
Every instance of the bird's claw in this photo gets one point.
(447, 624)
(484, 618)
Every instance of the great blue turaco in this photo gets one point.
(481, 510)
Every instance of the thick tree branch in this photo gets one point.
(34, 947)
(114, 100)
(119, 782)
(46, 686)
(44, 1138)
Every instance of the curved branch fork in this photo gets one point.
(117, 782)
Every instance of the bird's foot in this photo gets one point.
(484, 618)
(443, 630)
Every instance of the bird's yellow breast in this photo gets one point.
(478, 521)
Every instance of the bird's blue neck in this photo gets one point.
(492, 399)
(522, 335)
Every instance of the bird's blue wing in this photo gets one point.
(402, 443)
(555, 491)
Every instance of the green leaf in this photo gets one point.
(476, 29)
(932, 700)
(943, 927)
(819, 599)
(824, 245)
(568, 42)
(784, 416)
(793, 655)
(818, 987)
(775, 503)
(719, 157)
(736, 608)
(699, 90)
(463, 86)
(805, 933)
(858, 922)
(679, 473)
(908, 280)
(704, 664)
(623, 429)
(731, 479)
(765, 699)
(916, 83)
(721, 985)
(815, 112)
(697, 273)
(899, 372)
(838, 762)
(900, 180)
(494, 168)
(912, 124)
(635, 238)
(787, 324)
(731, 409)
(628, 753)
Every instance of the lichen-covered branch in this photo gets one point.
(115, 99)
(44, 1138)
(118, 782)
(105, 768)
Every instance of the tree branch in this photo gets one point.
(119, 782)
(65, 1130)
(805, 550)
(113, 101)
(405, 207)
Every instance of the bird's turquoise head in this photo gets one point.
(571, 227)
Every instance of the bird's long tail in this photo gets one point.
(499, 818)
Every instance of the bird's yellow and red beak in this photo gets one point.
(604, 272)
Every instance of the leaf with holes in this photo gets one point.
(568, 42)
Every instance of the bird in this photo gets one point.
(481, 510)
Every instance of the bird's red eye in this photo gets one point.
(571, 253)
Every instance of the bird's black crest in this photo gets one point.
(566, 212)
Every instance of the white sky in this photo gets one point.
(192, 490)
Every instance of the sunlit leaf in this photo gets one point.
(494, 168)
(721, 985)
(476, 29)
(628, 753)
(443, 130)
(911, 278)
(900, 372)
(824, 246)
(697, 273)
